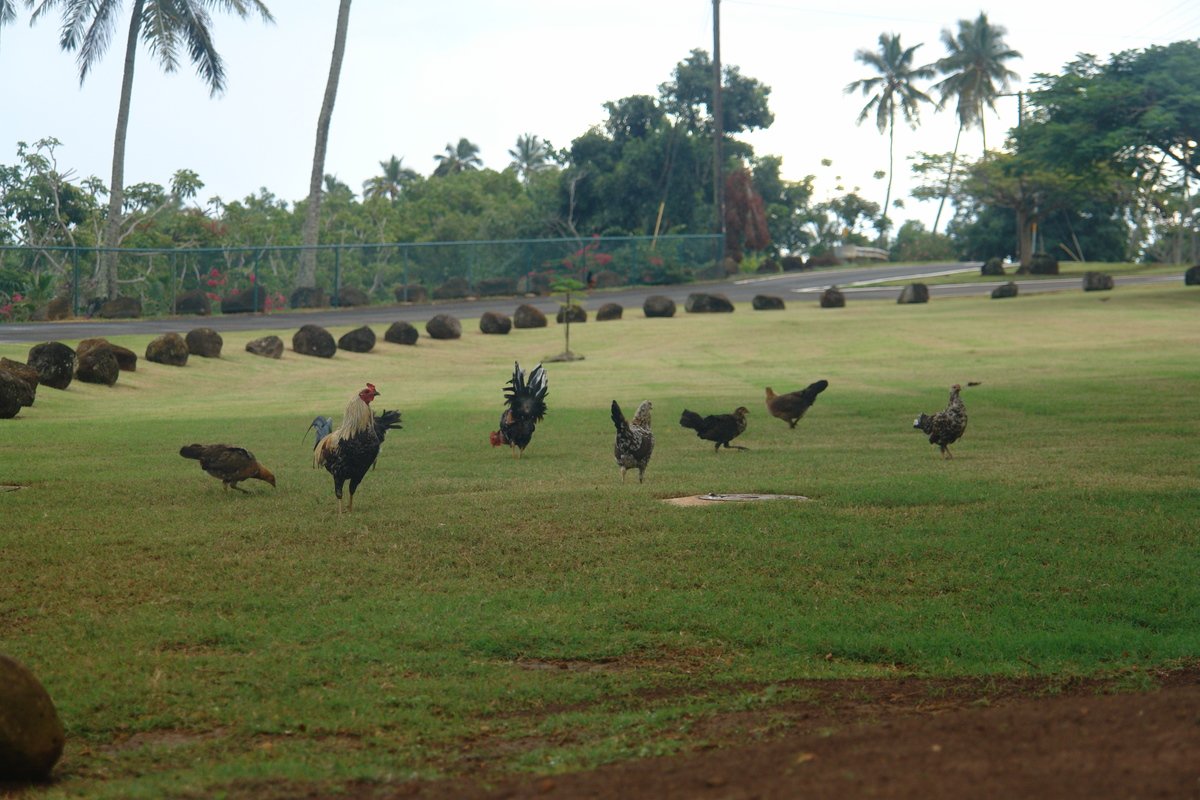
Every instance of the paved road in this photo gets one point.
(857, 283)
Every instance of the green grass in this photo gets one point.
(1066, 269)
(196, 641)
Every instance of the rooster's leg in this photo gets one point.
(350, 503)
(234, 485)
(623, 475)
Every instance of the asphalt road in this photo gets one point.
(856, 283)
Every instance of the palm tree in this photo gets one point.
(457, 158)
(530, 155)
(393, 180)
(975, 77)
(164, 26)
(893, 88)
(306, 274)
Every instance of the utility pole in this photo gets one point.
(718, 136)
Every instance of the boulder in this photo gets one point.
(268, 346)
(350, 296)
(767, 302)
(121, 308)
(169, 349)
(540, 282)
(1192, 276)
(767, 266)
(1097, 282)
(992, 267)
(526, 316)
(732, 265)
(308, 297)
(54, 362)
(443, 326)
(1043, 264)
(401, 333)
(833, 298)
(97, 364)
(204, 342)
(126, 358)
(359, 340)
(31, 734)
(792, 264)
(453, 289)
(1004, 290)
(244, 301)
(313, 340)
(658, 305)
(26, 373)
(56, 309)
(15, 394)
(914, 293)
(609, 311)
(571, 313)
(704, 303)
(411, 293)
(823, 260)
(193, 301)
(607, 279)
(491, 322)
(494, 287)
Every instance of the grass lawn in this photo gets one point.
(1066, 269)
(198, 641)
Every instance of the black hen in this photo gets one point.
(719, 428)
(948, 425)
(790, 407)
(526, 401)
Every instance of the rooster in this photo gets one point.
(719, 428)
(791, 407)
(383, 423)
(348, 452)
(526, 403)
(635, 440)
(230, 465)
(947, 426)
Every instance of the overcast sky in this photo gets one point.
(419, 75)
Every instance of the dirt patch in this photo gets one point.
(710, 498)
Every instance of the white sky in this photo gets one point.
(418, 76)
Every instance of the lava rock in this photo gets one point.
(607, 279)
(268, 346)
(833, 298)
(56, 309)
(308, 297)
(1097, 282)
(526, 316)
(313, 340)
(704, 303)
(204, 342)
(491, 322)
(194, 301)
(454, 289)
(411, 293)
(349, 296)
(1192, 276)
(767, 266)
(658, 305)
(1041, 263)
(793, 264)
(55, 363)
(31, 733)
(914, 293)
(1004, 290)
(26, 373)
(126, 358)
(121, 308)
(15, 394)
(244, 301)
(443, 326)
(609, 311)
(992, 267)
(571, 313)
(98, 365)
(169, 349)
(359, 340)
(494, 287)
(402, 333)
(767, 302)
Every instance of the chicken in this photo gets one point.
(635, 440)
(947, 426)
(719, 428)
(791, 407)
(230, 465)
(348, 452)
(526, 403)
(383, 423)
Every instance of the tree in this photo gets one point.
(745, 216)
(893, 87)
(974, 66)
(164, 26)
(531, 155)
(306, 275)
(393, 180)
(743, 99)
(458, 158)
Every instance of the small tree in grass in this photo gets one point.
(564, 288)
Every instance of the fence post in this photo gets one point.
(471, 269)
(173, 264)
(405, 249)
(257, 253)
(75, 303)
(634, 267)
(337, 273)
